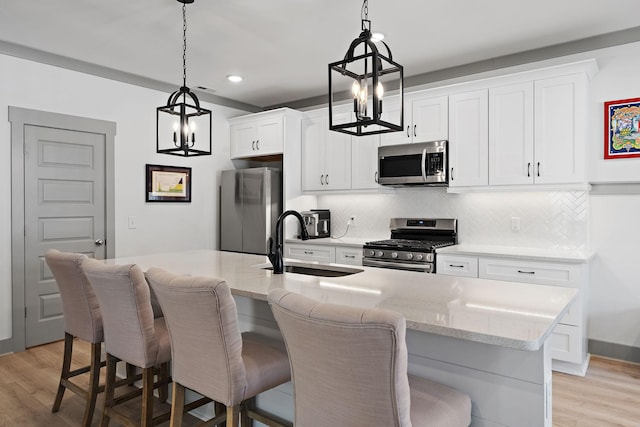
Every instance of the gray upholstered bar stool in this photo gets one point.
(131, 335)
(349, 369)
(82, 319)
(210, 355)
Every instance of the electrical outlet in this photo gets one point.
(515, 223)
(352, 219)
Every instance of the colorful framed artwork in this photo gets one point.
(622, 128)
(168, 184)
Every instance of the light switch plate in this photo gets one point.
(132, 222)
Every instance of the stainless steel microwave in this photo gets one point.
(423, 163)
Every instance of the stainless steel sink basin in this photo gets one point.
(317, 269)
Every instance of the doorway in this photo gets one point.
(62, 181)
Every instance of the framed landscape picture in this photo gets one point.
(168, 184)
(622, 128)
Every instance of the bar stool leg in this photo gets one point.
(109, 389)
(64, 374)
(233, 416)
(146, 419)
(94, 379)
(163, 390)
(177, 405)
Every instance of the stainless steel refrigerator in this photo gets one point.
(250, 202)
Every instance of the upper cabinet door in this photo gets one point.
(313, 135)
(391, 112)
(511, 134)
(468, 138)
(270, 136)
(430, 119)
(560, 129)
(364, 161)
(337, 158)
(243, 140)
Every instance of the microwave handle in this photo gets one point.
(424, 165)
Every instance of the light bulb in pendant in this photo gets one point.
(176, 126)
(355, 89)
(380, 90)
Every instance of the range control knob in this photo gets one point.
(370, 252)
(394, 254)
(380, 253)
(419, 257)
(409, 255)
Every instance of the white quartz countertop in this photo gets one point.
(543, 254)
(508, 314)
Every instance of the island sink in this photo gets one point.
(317, 269)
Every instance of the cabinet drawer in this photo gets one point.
(543, 273)
(566, 343)
(348, 255)
(311, 252)
(456, 265)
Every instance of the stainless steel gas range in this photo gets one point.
(412, 245)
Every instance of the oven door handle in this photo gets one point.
(427, 268)
(424, 165)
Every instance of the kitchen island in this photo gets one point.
(484, 337)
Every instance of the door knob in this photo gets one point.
(99, 242)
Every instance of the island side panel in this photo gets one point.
(508, 387)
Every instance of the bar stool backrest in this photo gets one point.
(82, 314)
(123, 294)
(348, 365)
(206, 343)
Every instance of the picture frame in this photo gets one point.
(622, 128)
(168, 184)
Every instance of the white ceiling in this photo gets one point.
(282, 47)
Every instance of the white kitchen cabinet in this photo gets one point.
(468, 139)
(364, 161)
(569, 337)
(560, 129)
(537, 131)
(260, 134)
(310, 252)
(457, 265)
(351, 255)
(425, 118)
(511, 134)
(326, 155)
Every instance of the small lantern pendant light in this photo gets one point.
(366, 77)
(182, 119)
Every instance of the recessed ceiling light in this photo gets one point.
(234, 78)
(376, 37)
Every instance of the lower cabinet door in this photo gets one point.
(566, 343)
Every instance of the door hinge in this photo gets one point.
(25, 312)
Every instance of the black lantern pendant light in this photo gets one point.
(183, 123)
(366, 77)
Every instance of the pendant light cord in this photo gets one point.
(184, 44)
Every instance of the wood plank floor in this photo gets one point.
(29, 381)
(609, 395)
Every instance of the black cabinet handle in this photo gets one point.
(526, 272)
(456, 266)
(538, 168)
(529, 169)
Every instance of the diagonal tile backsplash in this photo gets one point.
(553, 219)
